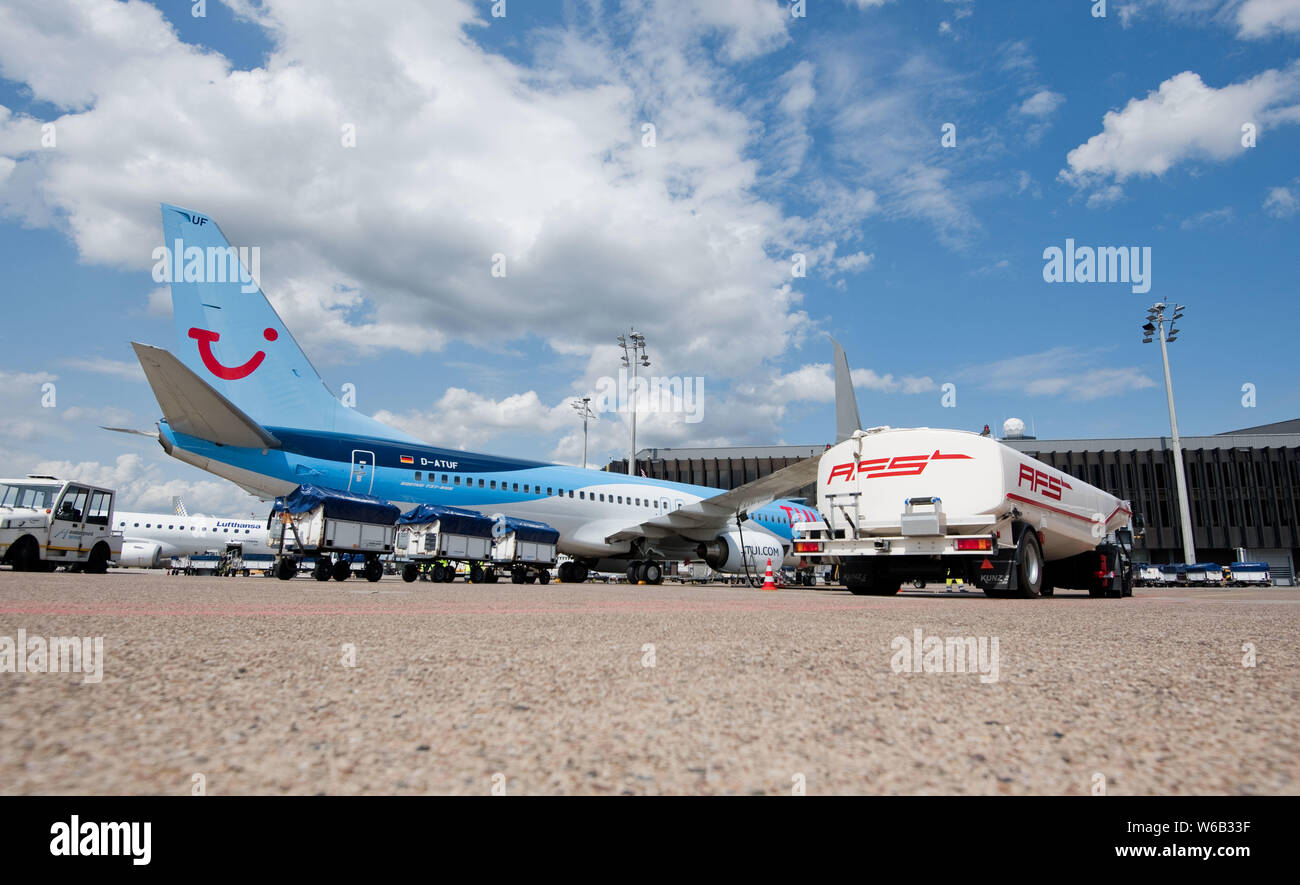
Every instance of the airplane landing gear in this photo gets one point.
(649, 571)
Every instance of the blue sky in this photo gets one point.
(774, 135)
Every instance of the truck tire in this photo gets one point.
(410, 572)
(342, 570)
(476, 574)
(543, 577)
(876, 587)
(1029, 566)
(286, 570)
(322, 570)
(25, 555)
(374, 570)
(97, 564)
(579, 573)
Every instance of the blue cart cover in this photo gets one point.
(526, 530)
(1250, 566)
(454, 520)
(352, 506)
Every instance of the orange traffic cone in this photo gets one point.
(768, 583)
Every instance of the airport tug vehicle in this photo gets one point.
(524, 547)
(907, 505)
(333, 526)
(435, 539)
(47, 522)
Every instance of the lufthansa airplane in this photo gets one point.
(240, 399)
(150, 540)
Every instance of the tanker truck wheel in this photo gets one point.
(1029, 566)
(410, 572)
(878, 586)
(321, 571)
(342, 570)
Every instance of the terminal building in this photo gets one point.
(1243, 485)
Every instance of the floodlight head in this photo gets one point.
(1148, 328)
(1146, 340)
(1171, 339)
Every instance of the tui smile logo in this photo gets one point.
(205, 338)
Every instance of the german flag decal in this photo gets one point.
(407, 459)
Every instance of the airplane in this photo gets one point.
(149, 540)
(242, 401)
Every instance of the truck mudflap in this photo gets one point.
(996, 573)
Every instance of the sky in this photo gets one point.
(460, 206)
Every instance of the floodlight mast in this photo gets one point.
(1156, 324)
(583, 408)
(634, 355)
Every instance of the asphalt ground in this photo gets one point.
(617, 689)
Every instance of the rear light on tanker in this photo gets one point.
(974, 543)
(807, 546)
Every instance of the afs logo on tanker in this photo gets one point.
(878, 468)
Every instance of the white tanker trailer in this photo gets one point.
(900, 505)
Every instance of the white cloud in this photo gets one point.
(1041, 104)
(1181, 121)
(1263, 18)
(1281, 202)
(854, 263)
(142, 485)
(1208, 218)
(103, 366)
(460, 154)
(1067, 372)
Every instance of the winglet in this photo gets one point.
(846, 402)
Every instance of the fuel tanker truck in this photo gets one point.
(900, 505)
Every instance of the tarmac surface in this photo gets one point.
(556, 690)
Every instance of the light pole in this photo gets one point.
(583, 408)
(1156, 324)
(634, 355)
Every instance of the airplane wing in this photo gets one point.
(702, 520)
(194, 408)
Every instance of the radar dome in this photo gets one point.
(1013, 428)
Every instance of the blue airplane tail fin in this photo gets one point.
(229, 335)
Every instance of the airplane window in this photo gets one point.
(549, 490)
(494, 483)
(418, 475)
(148, 525)
(525, 488)
(121, 523)
(582, 495)
(458, 479)
(620, 499)
(444, 477)
(136, 525)
(570, 493)
(480, 483)
(171, 526)
(602, 496)
(516, 487)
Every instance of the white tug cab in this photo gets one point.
(46, 522)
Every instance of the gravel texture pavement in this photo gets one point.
(611, 689)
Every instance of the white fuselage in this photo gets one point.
(150, 539)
